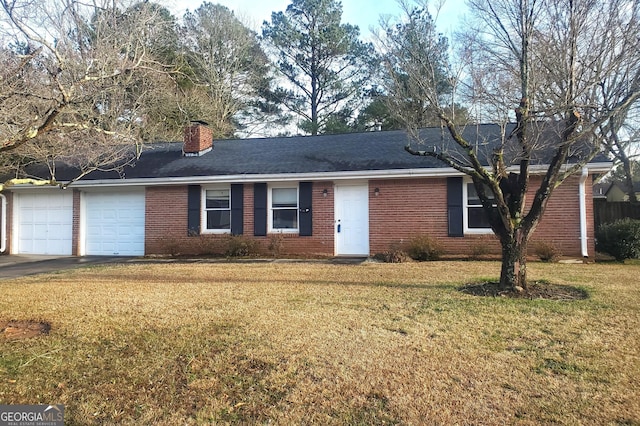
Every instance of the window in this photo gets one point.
(284, 209)
(217, 206)
(475, 218)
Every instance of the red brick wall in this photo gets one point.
(166, 225)
(166, 220)
(406, 208)
(560, 223)
(403, 208)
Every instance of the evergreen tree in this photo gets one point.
(324, 63)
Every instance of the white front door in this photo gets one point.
(115, 223)
(352, 220)
(44, 222)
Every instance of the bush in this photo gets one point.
(395, 254)
(620, 239)
(479, 248)
(276, 241)
(547, 252)
(194, 247)
(239, 246)
(423, 247)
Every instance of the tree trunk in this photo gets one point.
(513, 275)
(628, 178)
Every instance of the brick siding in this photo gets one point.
(402, 209)
(166, 225)
(405, 208)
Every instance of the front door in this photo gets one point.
(352, 220)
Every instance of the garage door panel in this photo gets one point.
(115, 224)
(45, 223)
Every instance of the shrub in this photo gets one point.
(239, 246)
(547, 252)
(479, 249)
(423, 247)
(276, 241)
(194, 247)
(395, 254)
(620, 239)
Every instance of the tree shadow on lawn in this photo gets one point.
(535, 290)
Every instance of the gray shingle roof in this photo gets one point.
(351, 152)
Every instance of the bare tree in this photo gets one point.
(66, 87)
(540, 64)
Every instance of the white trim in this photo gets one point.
(3, 230)
(583, 212)
(82, 225)
(203, 209)
(270, 228)
(300, 177)
(15, 231)
(465, 213)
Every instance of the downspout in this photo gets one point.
(583, 213)
(3, 224)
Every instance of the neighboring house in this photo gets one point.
(614, 191)
(600, 190)
(334, 195)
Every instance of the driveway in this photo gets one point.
(14, 266)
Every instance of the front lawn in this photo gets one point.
(312, 343)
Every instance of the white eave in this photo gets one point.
(298, 177)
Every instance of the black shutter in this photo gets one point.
(455, 206)
(259, 209)
(237, 209)
(193, 210)
(306, 215)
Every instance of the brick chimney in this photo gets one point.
(198, 139)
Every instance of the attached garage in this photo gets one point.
(114, 223)
(43, 223)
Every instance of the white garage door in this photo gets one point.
(114, 224)
(44, 222)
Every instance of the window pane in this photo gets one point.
(472, 195)
(218, 199)
(284, 197)
(218, 219)
(285, 219)
(477, 218)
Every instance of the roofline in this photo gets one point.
(275, 177)
(601, 167)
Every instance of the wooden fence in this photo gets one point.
(609, 211)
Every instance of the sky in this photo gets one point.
(363, 13)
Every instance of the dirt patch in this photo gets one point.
(14, 330)
(535, 290)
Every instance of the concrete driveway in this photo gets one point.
(14, 266)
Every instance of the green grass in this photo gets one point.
(310, 343)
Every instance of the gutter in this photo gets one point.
(298, 177)
(583, 213)
(3, 224)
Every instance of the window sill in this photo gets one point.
(215, 231)
(478, 231)
(283, 231)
